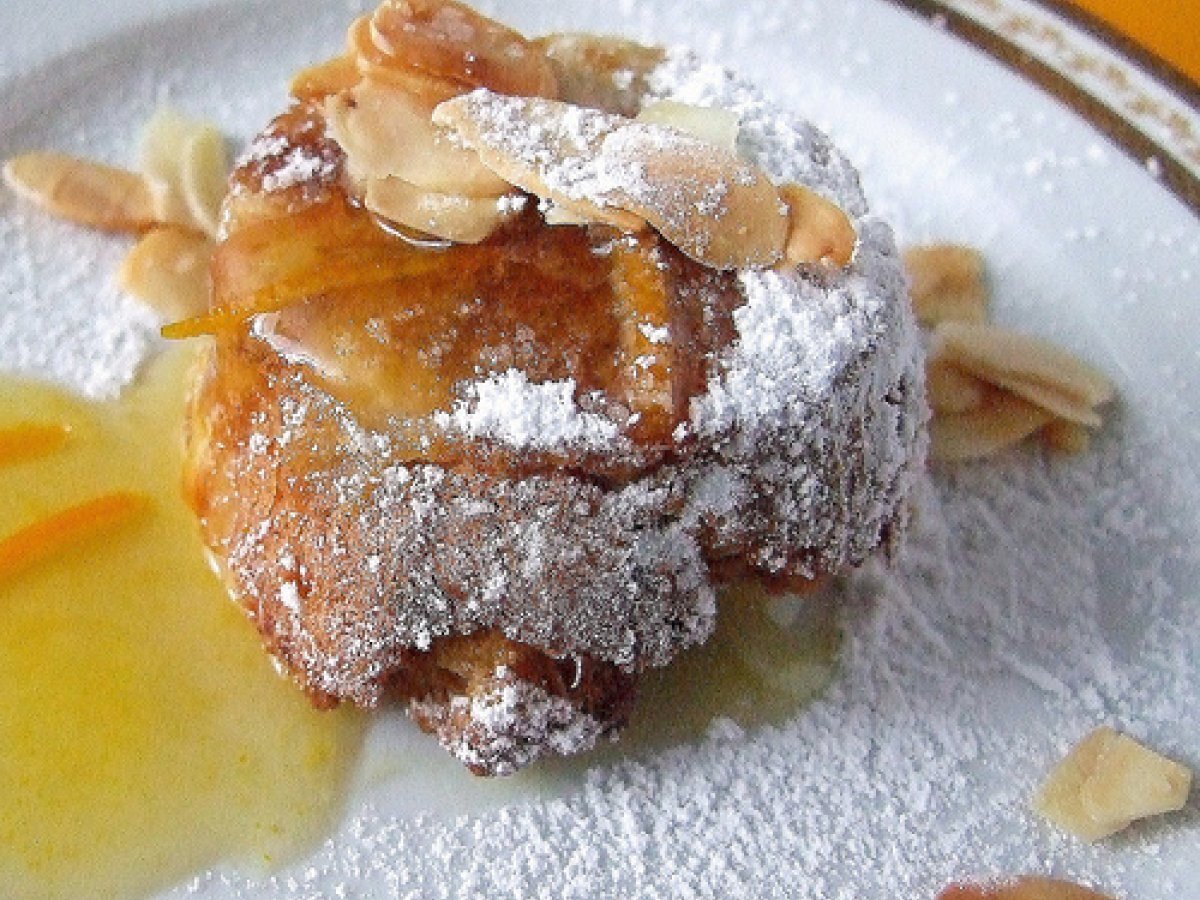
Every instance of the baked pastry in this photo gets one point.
(505, 384)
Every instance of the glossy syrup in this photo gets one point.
(144, 735)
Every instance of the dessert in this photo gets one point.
(505, 382)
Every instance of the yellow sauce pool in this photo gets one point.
(144, 735)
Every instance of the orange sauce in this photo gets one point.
(145, 734)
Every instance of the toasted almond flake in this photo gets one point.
(204, 175)
(373, 63)
(1107, 781)
(180, 159)
(449, 40)
(315, 83)
(1027, 887)
(951, 390)
(168, 269)
(1003, 421)
(1062, 436)
(708, 203)
(1036, 369)
(716, 126)
(600, 71)
(818, 231)
(464, 220)
(82, 191)
(386, 132)
(946, 283)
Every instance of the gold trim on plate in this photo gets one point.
(1122, 110)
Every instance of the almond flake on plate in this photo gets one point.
(951, 390)
(1003, 421)
(82, 191)
(1028, 887)
(1063, 436)
(1107, 781)
(946, 283)
(1031, 367)
(185, 165)
(168, 269)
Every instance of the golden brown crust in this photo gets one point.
(509, 591)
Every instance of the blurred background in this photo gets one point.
(1167, 28)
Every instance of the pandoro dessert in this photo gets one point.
(522, 349)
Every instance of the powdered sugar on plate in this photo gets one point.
(1036, 598)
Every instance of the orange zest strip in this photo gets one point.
(219, 320)
(29, 441)
(319, 252)
(43, 539)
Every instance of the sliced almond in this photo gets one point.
(184, 162)
(317, 82)
(1062, 436)
(204, 175)
(381, 67)
(1002, 422)
(600, 71)
(449, 40)
(386, 132)
(168, 269)
(1028, 887)
(453, 217)
(946, 283)
(716, 126)
(818, 231)
(160, 158)
(1107, 781)
(951, 390)
(711, 205)
(1036, 369)
(82, 191)
(1132, 782)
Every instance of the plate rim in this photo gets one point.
(1146, 107)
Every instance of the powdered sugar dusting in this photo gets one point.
(916, 767)
(62, 319)
(543, 416)
(515, 724)
(812, 420)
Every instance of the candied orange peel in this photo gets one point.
(31, 441)
(70, 527)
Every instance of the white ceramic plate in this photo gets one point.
(1039, 597)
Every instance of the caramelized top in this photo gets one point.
(400, 330)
